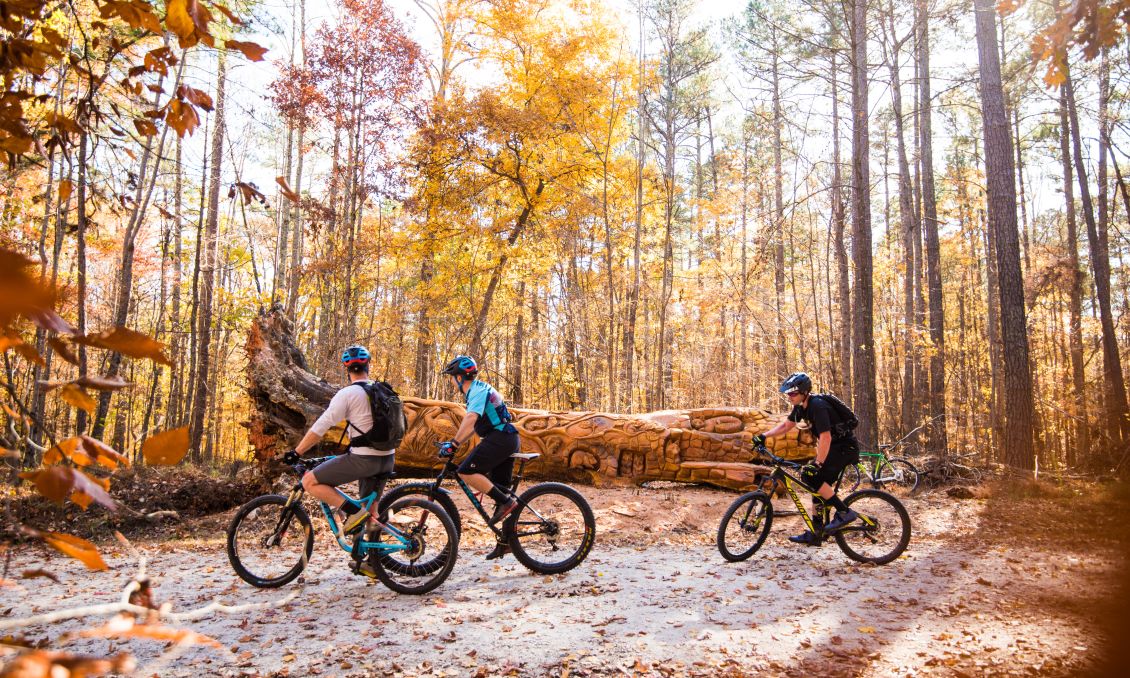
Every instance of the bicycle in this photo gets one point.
(550, 517)
(882, 472)
(880, 535)
(268, 549)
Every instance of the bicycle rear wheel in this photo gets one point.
(898, 476)
(552, 530)
(850, 478)
(744, 526)
(269, 544)
(430, 557)
(882, 532)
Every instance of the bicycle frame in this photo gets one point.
(362, 547)
(779, 474)
(450, 470)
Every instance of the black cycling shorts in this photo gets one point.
(491, 457)
(840, 454)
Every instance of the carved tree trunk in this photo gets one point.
(708, 445)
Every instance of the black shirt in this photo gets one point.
(817, 417)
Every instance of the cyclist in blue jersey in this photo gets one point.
(488, 418)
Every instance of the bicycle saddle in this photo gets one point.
(526, 455)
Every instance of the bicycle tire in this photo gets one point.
(430, 492)
(755, 506)
(881, 515)
(424, 577)
(254, 516)
(851, 478)
(571, 512)
(899, 475)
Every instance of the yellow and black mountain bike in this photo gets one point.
(880, 535)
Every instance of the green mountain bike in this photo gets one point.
(880, 535)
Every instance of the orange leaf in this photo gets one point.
(250, 50)
(44, 663)
(53, 482)
(21, 292)
(189, 20)
(65, 188)
(127, 342)
(66, 449)
(87, 489)
(103, 453)
(75, 547)
(287, 191)
(195, 97)
(76, 397)
(166, 448)
(124, 626)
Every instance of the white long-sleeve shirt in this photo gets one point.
(351, 404)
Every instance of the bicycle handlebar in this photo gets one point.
(764, 451)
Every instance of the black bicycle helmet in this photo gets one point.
(797, 382)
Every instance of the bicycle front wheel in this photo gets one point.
(552, 530)
(744, 526)
(898, 476)
(882, 531)
(433, 545)
(269, 544)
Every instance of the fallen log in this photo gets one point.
(705, 445)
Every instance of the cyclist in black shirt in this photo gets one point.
(836, 447)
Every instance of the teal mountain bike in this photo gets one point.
(411, 547)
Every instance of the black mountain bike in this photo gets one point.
(411, 548)
(551, 531)
(880, 535)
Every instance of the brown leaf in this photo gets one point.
(75, 547)
(250, 193)
(39, 572)
(145, 128)
(127, 342)
(21, 292)
(65, 188)
(103, 383)
(250, 50)
(65, 449)
(76, 397)
(181, 117)
(63, 350)
(195, 97)
(228, 13)
(137, 13)
(166, 448)
(88, 489)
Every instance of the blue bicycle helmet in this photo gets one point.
(463, 366)
(355, 355)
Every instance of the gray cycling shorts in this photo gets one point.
(347, 468)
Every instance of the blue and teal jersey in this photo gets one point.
(485, 401)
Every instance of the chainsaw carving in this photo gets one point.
(708, 445)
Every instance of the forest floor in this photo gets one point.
(1021, 579)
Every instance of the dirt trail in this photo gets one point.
(654, 598)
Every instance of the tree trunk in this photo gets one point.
(1118, 425)
(938, 442)
(865, 401)
(208, 268)
(1018, 411)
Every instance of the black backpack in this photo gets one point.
(846, 419)
(389, 422)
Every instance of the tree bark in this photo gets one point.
(1017, 445)
(864, 401)
(208, 268)
(938, 442)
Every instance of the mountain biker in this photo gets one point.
(836, 447)
(488, 418)
(358, 463)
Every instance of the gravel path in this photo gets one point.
(654, 598)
